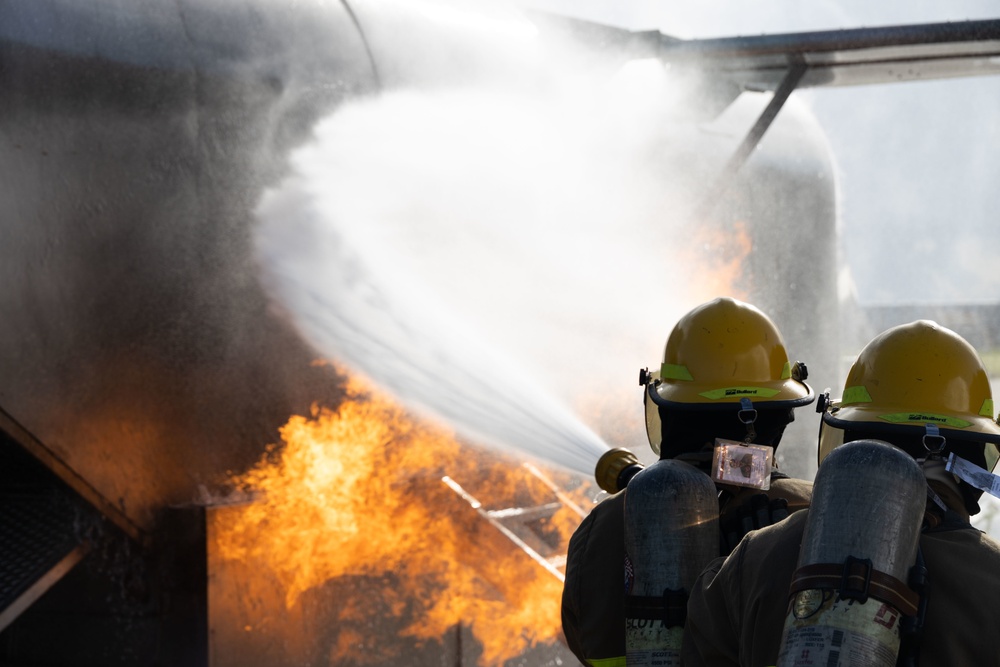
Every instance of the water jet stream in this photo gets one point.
(486, 257)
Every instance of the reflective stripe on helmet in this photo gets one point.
(734, 392)
(855, 395)
(925, 418)
(675, 372)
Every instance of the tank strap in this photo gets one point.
(856, 579)
(671, 607)
(911, 628)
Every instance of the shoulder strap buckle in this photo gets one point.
(855, 569)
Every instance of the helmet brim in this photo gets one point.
(978, 427)
(788, 393)
(881, 420)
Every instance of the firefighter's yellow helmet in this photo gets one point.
(717, 354)
(912, 376)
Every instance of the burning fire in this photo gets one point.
(364, 490)
(721, 256)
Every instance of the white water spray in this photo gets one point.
(491, 257)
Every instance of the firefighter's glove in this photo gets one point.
(756, 513)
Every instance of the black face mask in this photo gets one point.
(689, 431)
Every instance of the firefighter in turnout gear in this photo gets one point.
(725, 377)
(919, 390)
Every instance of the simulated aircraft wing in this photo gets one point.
(781, 63)
(829, 57)
(847, 57)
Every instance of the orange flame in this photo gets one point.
(720, 256)
(358, 491)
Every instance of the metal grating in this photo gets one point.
(39, 524)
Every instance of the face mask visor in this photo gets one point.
(830, 437)
(654, 427)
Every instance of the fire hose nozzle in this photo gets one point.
(615, 468)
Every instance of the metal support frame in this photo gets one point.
(10, 613)
(27, 440)
(499, 518)
(796, 69)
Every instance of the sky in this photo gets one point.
(917, 162)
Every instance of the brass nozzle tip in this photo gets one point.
(610, 466)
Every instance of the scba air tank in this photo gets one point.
(849, 593)
(671, 534)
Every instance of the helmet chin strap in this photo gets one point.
(934, 442)
(748, 415)
(939, 480)
(934, 469)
